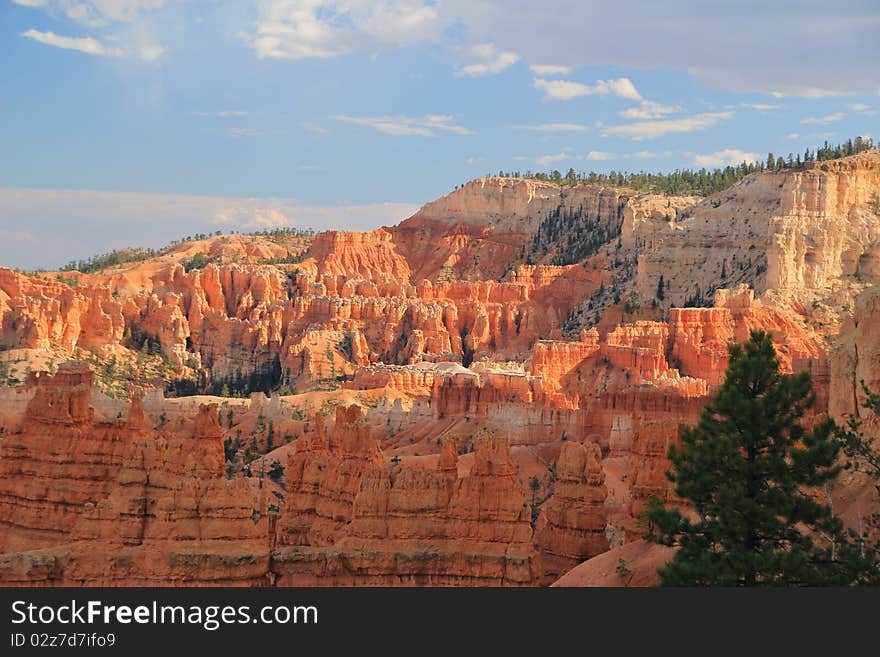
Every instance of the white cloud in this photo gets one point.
(87, 45)
(485, 59)
(761, 107)
(557, 127)
(653, 129)
(792, 135)
(95, 13)
(648, 109)
(695, 37)
(807, 91)
(561, 89)
(566, 89)
(643, 155)
(153, 53)
(63, 225)
(547, 160)
(405, 126)
(547, 70)
(822, 120)
(599, 156)
(296, 29)
(250, 219)
(859, 107)
(725, 157)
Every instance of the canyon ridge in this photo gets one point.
(481, 395)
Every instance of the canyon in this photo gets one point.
(481, 395)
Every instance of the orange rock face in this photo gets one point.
(366, 524)
(575, 518)
(57, 462)
(433, 381)
(119, 504)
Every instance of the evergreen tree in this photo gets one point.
(661, 294)
(751, 471)
(864, 454)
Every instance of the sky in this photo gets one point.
(136, 122)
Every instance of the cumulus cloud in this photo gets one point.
(485, 59)
(654, 129)
(567, 90)
(725, 157)
(296, 29)
(249, 218)
(88, 45)
(548, 70)
(696, 37)
(406, 126)
(822, 120)
(648, 109)
(599, 156)
(64, 225)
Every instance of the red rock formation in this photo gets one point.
(422, 527)
(700, 337)
(639, 348)
(57, 462)
(439, 331)
(552, 360)
(38, 314)
(323, 476)
(575, 518)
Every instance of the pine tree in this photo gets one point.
(864, 454)
(752, 471)
(661, 294)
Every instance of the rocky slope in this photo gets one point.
(806, 233)
(483, 394)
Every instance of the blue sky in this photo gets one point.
(137, 121)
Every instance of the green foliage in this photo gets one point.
(749, 468)
(865, 458)
(276, 471)
(278, 234)
(266, 379)
(198, 261)
(230, 447)
(125, 256)
(702, 182)
(661, 293)
(574, 234)
(112, 259)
